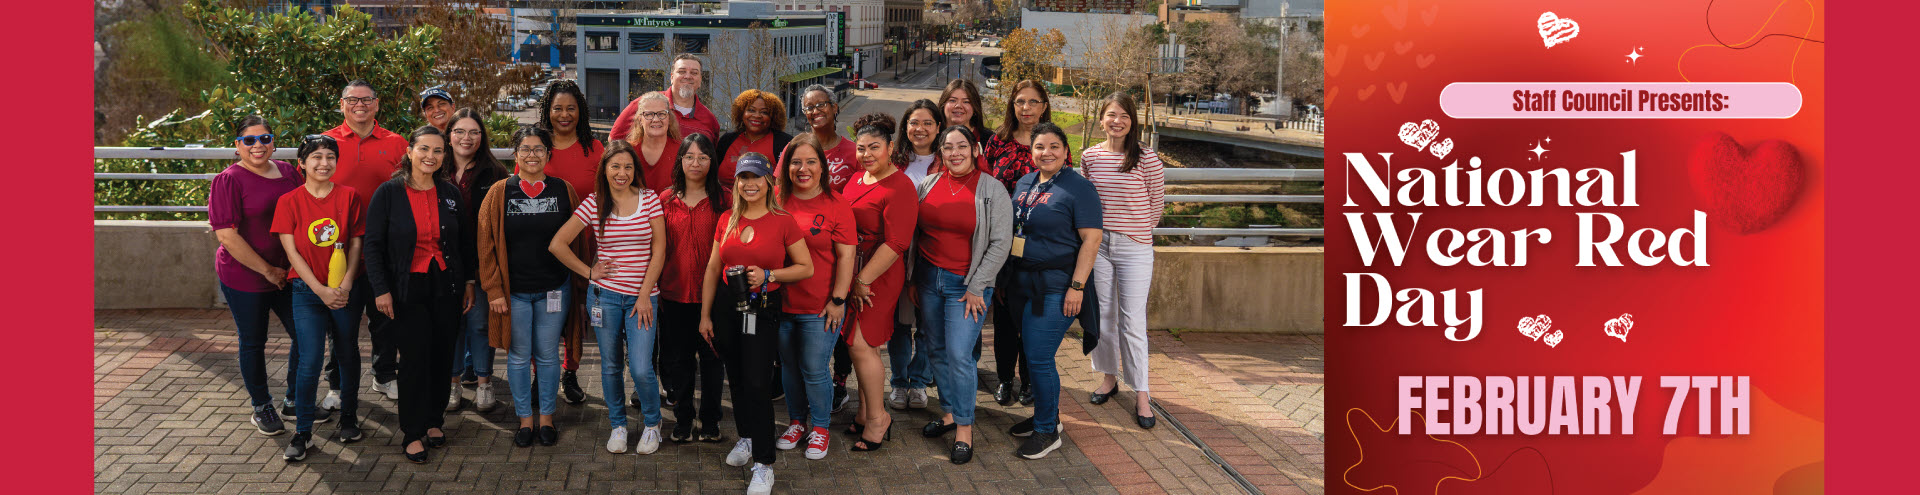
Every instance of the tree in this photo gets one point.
(155, 61)
(759, 68)
(1030, 54)
(471, 58)
(1222, 58)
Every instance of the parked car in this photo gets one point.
(993, 83)
(864, 84)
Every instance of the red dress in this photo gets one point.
(884, 213)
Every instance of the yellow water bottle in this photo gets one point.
(337, 264)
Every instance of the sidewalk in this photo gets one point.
(170, 418)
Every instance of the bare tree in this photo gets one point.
(472, 67)
(1117, 57)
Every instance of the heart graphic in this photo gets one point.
(1745, 189)
(1338, 60)
(1396, 17)
(1535, 326)
(1373, 61)
(1418, 135)
(1401, 48)
(1619, 326)
(1422, 61)
(1360, 31)
(1397, 92)
(1441, 148)
(1554, 339)
(1556, 30)
(1366, 92)
(1428, 15)
(532, 188)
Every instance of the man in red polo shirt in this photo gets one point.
(684, 94)
(368, 156)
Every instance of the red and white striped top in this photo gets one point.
(1131, 203)
(627, 241)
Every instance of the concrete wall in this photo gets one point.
(142, 264)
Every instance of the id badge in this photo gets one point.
(750, 323)
(1019, 247)
(595, 312)
(553, 301)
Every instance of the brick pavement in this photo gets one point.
(170, 417)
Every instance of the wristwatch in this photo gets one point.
(1077, 285)
(840, 301)
(770, 277)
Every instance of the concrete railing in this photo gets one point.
(169, 264)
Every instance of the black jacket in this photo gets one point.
(483, 180)
(389, 243)
(780, 140)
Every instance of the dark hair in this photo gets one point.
(358, 83)
(785, 165)
(250, 121)
(1056, 131)
(405, 172)
(568, 87)
(979, 120)
(531, 131)
(1131, 143)
(483, 158)
(965, 132)
(703, 144)
(830, 101)
(316, 142)
(603, 187)
(903, 148)
(1012, 123)
(687, 56)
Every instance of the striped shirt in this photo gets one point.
(1132, 202)
(627, 241)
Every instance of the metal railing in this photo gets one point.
(1173, 176)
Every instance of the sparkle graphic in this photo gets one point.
(1539, 150)
(1634, 56)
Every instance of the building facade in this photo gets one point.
(750, 45)
(866, 34)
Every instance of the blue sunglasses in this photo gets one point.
(256, 139)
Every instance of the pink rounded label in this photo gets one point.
(1593, 100)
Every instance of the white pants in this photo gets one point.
(1121, 274)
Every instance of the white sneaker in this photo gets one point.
(453, 398)
(617, 443)
(332, 401)
(649, 441)
(390, 388)
(483, 397)
(897, 399)
(791, 438)
(742, 452)
(917, 398)
(762, 483)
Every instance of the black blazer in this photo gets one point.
(389, 243)
(483, 180)
(780, 140)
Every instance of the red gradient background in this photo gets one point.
(1758, 310)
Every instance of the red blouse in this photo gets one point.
(426, 229)
(947, 222)
(690, 230)
(885, 211)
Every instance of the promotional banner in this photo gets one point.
(1575, 247)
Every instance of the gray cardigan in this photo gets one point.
(993, 208)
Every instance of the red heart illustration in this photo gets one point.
(532, 188)
(1745, 189)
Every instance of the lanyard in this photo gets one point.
(1027, 205)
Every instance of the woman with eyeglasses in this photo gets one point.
(1056, 231)
(1133, 194)
(320, 226)
(694, 205)
(250, 263)
(759, 249)
(657, 143)
(965, 231)
(475, 170)
(823, 116)
(573, 156)
(532, 292)
(760, 123)
(1011, 154)
(913, 154)
(421, 280)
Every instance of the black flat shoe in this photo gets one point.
(1097, 398)
(934, 429)
(416, 457)
(433, 442)
(1026, 395)
(1145, 422)
(962, 453)
(1003, 394)
(549, 436)
(524, 437)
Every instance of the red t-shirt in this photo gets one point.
(318, 224)
(689, 233)
(366, 162)
(767, 247)
(840, 164)
(656, 175)
(426, 228)
(823, 221)
(947, 222)
(577, 169)
(740, 146)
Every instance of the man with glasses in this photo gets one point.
(683, 94)
(368, 156)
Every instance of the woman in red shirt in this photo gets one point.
(886, 208)
(575, 158)
(760, 122)
(823, 116)
(322, 222)
(694, 204)
(757, 237)
(657, 143)
(816, 305)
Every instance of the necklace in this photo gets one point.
(954, 186)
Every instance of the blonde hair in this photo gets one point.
(740, 201)
(639, 132)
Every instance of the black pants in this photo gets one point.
(385, 368)
(749, 371)
(1008, 354)
(424, 328)
(684, 355)
(842, 361)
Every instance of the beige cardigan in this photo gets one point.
(492, 271)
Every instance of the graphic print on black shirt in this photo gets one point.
(530, 223)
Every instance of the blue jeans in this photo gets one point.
(313, 324)
(618, 325)
(951, 336)
(1041, 335)
(806, 344)
(250, 310)
(536, 344)
(471, 350)
(907, 353)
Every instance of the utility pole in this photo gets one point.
(1280, 68)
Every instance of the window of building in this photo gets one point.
(641, 81)
(692, 43)
(646, 42)
(603, 41)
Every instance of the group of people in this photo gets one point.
(774, 265)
